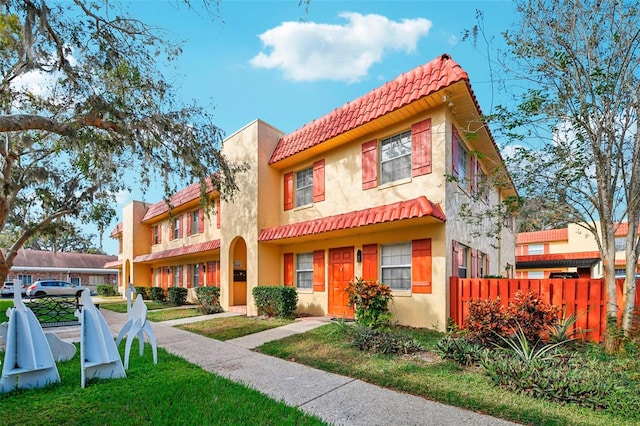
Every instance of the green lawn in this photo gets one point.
(4, 305)
(329, 348)
(173, 392)
(121, 307)
(171, 314)
(233, 327)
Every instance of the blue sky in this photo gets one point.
(289, 65)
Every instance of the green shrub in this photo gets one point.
(381, 341)
(558, 379)
(177, 295)
(461, 350)
(209, 299)
(157, 294)
(370, 301)
(106, 290)
(143, 291)
(276, 301)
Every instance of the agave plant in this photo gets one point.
(565, 330)
(526, 351)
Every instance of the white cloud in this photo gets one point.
(308, 51)
(122, 196)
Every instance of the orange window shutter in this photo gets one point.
(181, 227)
(474, 162)
(288, 269)
(546, 249)
(421, 148)
(318, 270)
(188, 223)
(189, 275)
(288, 191)
(159, 226)
(454, 258)
(318, 181)
(217, 273)
(421, 266)
(200, 221)
(209, 274)
(218, 213)
(151, 242)
(370, 164)
(370, 262)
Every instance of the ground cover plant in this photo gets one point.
(232, 327)
(149, 395)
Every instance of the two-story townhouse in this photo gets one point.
(364, 191)
(571, 249)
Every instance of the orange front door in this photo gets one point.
(340, 273)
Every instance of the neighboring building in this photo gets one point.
(570, 249)
(77, 268)
(360, 192)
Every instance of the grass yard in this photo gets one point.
(329, 348)
(173, 392)
(232, 327)
(171, 314)
(121, 307)
(4, 305)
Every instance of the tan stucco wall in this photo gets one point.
(251, 209)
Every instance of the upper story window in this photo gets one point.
(155, 234)
(536, 249)
(395, 158)
(620, 243)
(304, 187)
(308, 184)
(176, 230)
(304, 270)
(460, 158)
(395, 265)
(194, 218)
(402, 156)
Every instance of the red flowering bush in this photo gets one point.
(370, 301)
(488, 319)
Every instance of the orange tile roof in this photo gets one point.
(116, 230)
(405, 89)
(558, 256)
(180, 251)
(543, 236)
(116, 264)
(417, 207)
(190, 193)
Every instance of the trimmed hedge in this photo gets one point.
(157, 294)
(276, 301)
(106, 290)
(143, 291)
(209, 299)
(177, 295)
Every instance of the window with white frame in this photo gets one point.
(195, 222)
(304, 270)
(461, 170)
(395, 265)
(463, 261)
(535, 275)
(74, 280)
(195, 277)
(177, 276)
(620, 243)
(395, 158)
(156, 234)
(176, 227)
(304, 187)
(25, 279)
(536, 249)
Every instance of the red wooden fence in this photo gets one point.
(585, 297)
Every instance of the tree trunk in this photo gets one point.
(612, 334)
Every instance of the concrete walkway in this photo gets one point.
(336, 399)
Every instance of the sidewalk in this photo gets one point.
(335, 399)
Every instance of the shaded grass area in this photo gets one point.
(232, 327)
(170, 314)
(173, 392)
(4, 305)
(329, 348)
(121, 307)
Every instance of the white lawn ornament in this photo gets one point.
(129, 294)
(99, 356)
(136, 326)
(28, 361)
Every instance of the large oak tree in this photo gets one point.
(83, 105)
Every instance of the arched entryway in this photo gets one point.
(238, 275)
